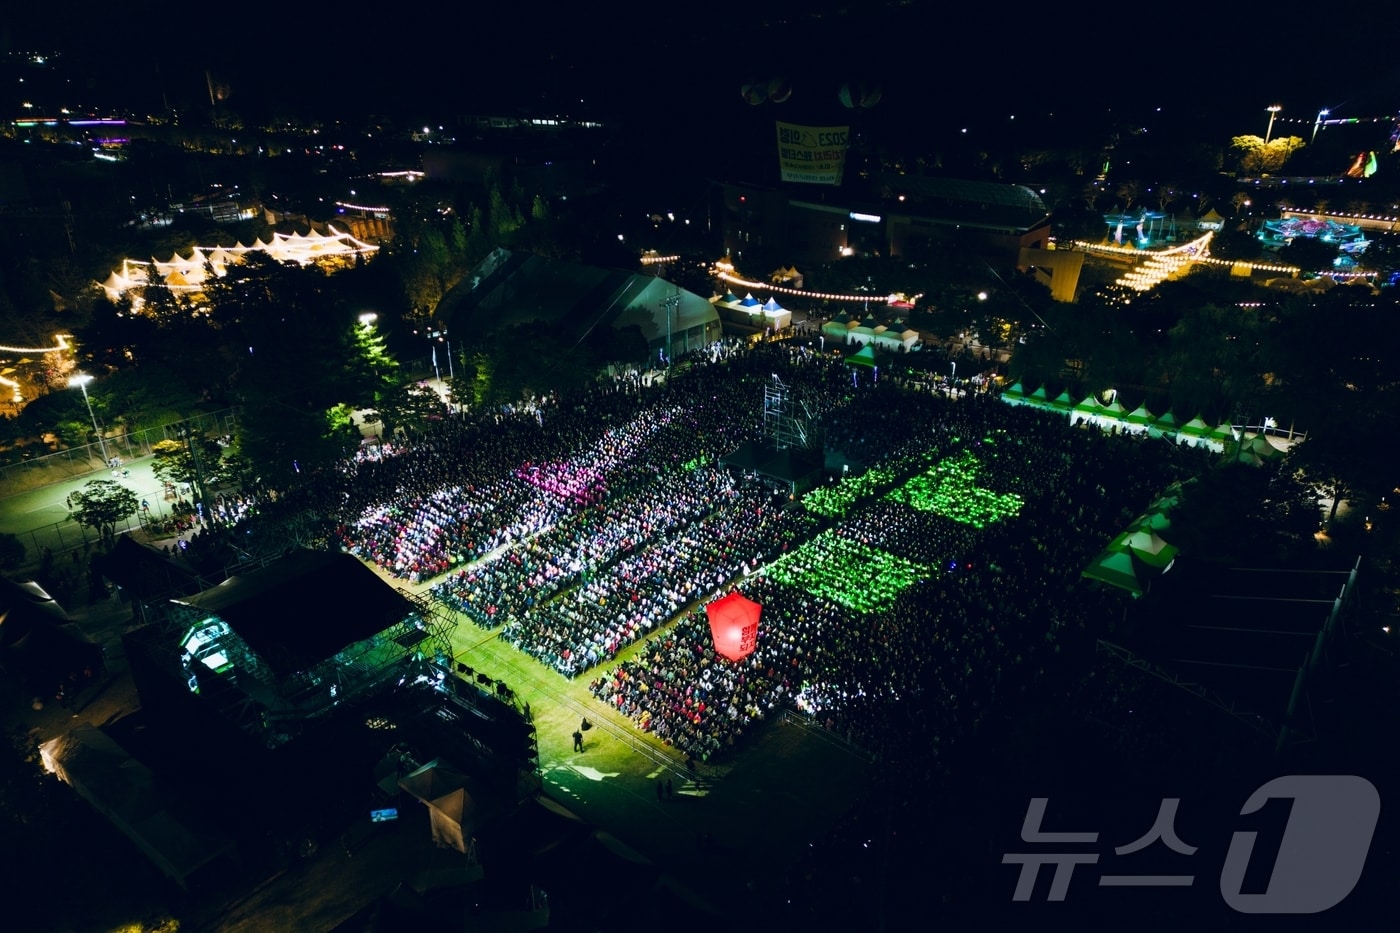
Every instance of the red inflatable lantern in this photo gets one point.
(734, 625)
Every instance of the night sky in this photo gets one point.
(685, 63)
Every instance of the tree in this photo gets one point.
(377, 367)
(1076, 222)
(175, 463)
(409, 408)
(1166, 194)
(1257, 157)
(1336, 460)
(1210, 358)
(1236, 245)
(461, 386)
(284, 441)
(616, 346)
(483, 377)
(1235, 513)
(1249, 153)
(1382, 254)
(101, 504)
(504, 217)
(159, 301)
(1340, 390)
(1310, 254)
(1127, 192)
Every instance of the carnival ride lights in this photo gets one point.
(1279, 232)
(1156, 266)
(1149, 226)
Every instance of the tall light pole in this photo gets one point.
(81, 380)
(1273, 112)
(1318, 124)
(671, 303)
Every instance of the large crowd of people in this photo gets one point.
(894, 614)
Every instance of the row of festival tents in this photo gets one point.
(1139, 553)
(189, 273)
(895, 335)
(765, 314)
(1113, 416)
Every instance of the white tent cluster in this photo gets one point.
(767, 315)
(896, 335)
(187, 275)
(1113, 417)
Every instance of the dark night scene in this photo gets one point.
(792, 467)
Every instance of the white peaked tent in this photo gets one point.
(776, 315)
(451, 810)
(896, 336)
(1086, 410)
(1137, 421)
(220, 259)
(190, 272)
(1193, 433)
(1147, 545)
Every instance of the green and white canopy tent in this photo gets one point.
(1121, 569)
(1152, 521)
(839, 327)
(1163, 425)
(1138, 420)
(1086, 410)
(1147, 546)
(865, 356)
(1193, 432)
(1257, 451)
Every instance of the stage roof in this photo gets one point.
(145, 572)
(305, 607)
(1243, 632)
(512, 288)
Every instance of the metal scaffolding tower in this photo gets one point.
(787, 421)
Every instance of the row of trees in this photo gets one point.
(1325, 361)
